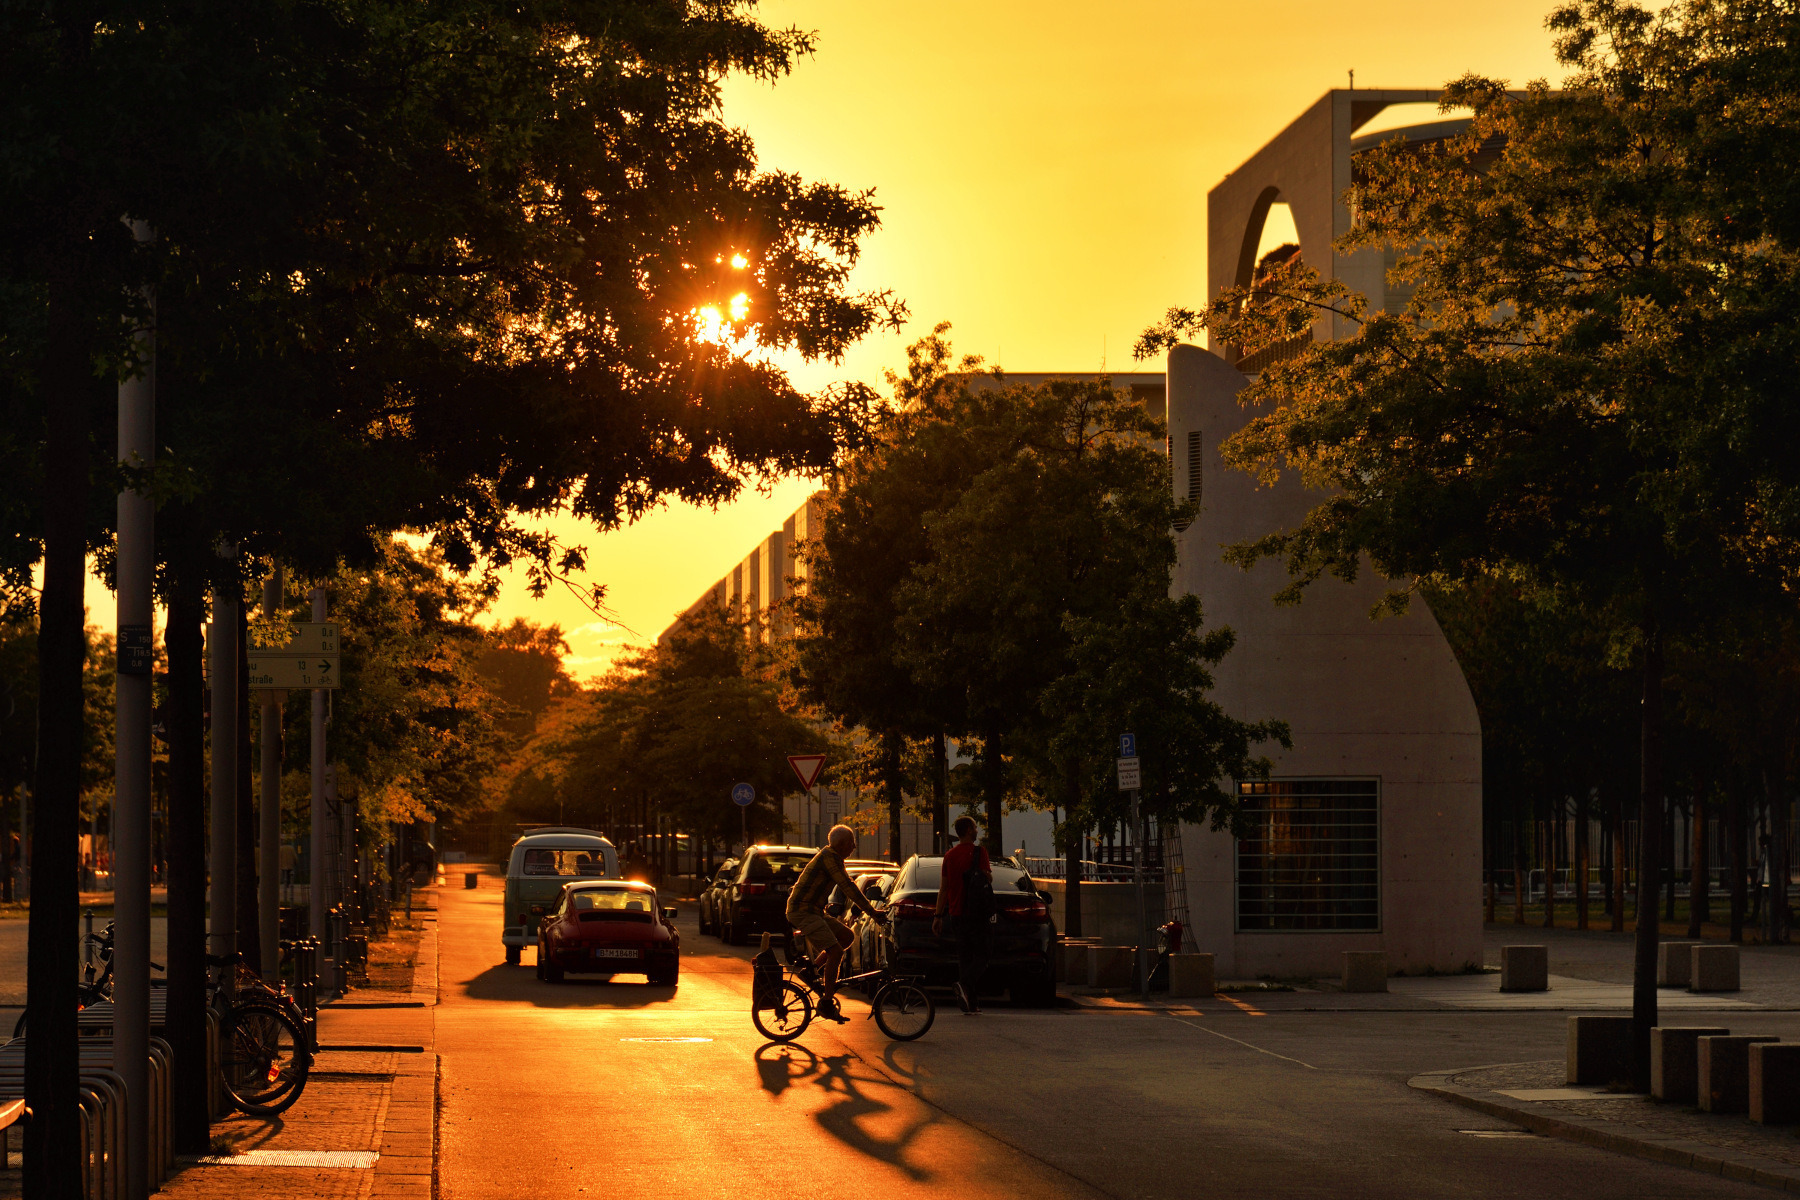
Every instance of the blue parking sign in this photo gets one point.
(1128, 745)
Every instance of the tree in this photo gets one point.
(1587, 387)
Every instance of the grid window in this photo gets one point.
(1311, 859)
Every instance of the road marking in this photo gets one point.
(665, 1039)
(1243, 1043)
(1255, 1012)
(1498, 1133)
(358, 1160)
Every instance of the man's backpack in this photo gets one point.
(977, 893)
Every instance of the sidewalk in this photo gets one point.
(1536, 1096)
(366, 1125)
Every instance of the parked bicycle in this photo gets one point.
(784, 1000)
(96, 974)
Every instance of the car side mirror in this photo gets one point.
(669, 914)
(1046, 898)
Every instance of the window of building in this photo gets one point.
(1311, 858)
(1193, 477)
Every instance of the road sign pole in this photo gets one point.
(315, 877)
(1137, 879)
(135, 569)
(268, 868)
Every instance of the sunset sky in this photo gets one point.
(1043, 170)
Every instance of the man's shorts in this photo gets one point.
(823, 932)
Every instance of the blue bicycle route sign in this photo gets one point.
(743, 795)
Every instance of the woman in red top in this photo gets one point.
(971, 925)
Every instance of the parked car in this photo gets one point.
(755, 901)
(709, 895)
(865, 951)
(542, 861)
(1019, 961)
(609, 928)
(859, 869)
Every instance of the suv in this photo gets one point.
(1019, 949)
(754, 900)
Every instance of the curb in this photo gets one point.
(1608, 1135)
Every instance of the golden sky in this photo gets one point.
(1043, 169)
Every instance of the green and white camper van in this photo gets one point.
(542, 861)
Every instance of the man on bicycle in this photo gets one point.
(806, 911)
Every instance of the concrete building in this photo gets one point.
(1369, 835)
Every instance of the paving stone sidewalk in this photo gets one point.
(1536, 1096)
(380, 1102)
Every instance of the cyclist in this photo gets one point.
(827, 935)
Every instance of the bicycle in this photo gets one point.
(94, 987)
(265, 1054)
(781, 1008)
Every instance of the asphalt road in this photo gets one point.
(559, 1090)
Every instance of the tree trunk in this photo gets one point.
(1776, 855)
(1699, 880)
(1072, 838)
(186, 1029)
(53, 1137)
(993, 791)
(1616, 892)
(1734, 818)
(1668, 860)
(940, 794)
(1521, 872)
(1650, 805)
(1581, 860)
(249, 938)
(890, 778)
(1547, 839)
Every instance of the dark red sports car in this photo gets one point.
(609, 927)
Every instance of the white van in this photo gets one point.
(541, 862)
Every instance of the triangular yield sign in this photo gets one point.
(807, 767)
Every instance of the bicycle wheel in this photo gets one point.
(266, 1059)
(788, 1017)
(85, 994)
(904, 1011)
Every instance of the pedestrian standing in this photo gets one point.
(966, 897)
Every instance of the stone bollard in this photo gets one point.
(1599, 1050)
(1724, 1072)
(1774, 1083)
(472, 880)
(1365, 971)
(1675, 1061)
(1525, 969)
(1673, 963)
(1713, 969)
(1191, 975)
(1070, 958)
(1110, 966)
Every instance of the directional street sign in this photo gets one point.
(743, 795)
(307, 637)
(292, 672)
(1130, 780)
(807, 768)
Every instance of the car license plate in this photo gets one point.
(615, 954)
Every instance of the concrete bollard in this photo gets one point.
(1774, 1083)
(1724, 1072)
(472, 880)
(1599, 1050)
(1675, 1061)
(1672, 964)
(1525, 969)
(1070, 958)
(1191, 975)
(1713, 969)
(1110, 966)
(1365, 971)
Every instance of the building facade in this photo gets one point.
(1368, 836)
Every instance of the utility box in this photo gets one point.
(1191, 975)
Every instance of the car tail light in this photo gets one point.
(914, 910)
(755, 889)
(1037, 911)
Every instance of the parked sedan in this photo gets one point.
(610, 928)
(1022, 933)
(709, 896)
(756, 899)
